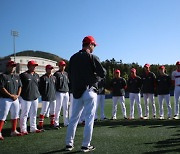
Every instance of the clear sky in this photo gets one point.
(142, 31)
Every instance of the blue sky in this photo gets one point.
(142, 31)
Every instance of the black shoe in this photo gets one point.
(57, 127)
(88, 149)
(69, 148)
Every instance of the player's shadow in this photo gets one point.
(62, 151)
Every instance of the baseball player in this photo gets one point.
(163, 83)
(118, 86)
(84, 88)
(148, 88)
(176, 81)
(62, 94)
(10, 89)
(101, 99)
(29, 102)
(134, 85)
(47, 90)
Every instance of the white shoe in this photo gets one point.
(16, 133)
(176, 117)
(146, 117)
(88, 149)
(161, 117)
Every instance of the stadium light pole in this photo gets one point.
(14, 34)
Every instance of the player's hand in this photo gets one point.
(14, 97)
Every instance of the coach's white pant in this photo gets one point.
(176, 100)
(122, 103)
(149, 97)
(135, 97)
(28, 107)
(70, 104)
(48, 105)
(6, 105)
(100, 103)
(62, 99)
(161, 99)
(88, 101)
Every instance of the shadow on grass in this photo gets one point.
(61, 151)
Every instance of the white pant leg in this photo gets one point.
(5, 104)
(102, 103)
(138, 101)
(168, 102)
(45, 107)
(59, 99)
(114, 108)
(132, 101)
(176, 100)
(123, 107)
(90, 100)
(25, 107)
(146, 104)
(97, 105)
(52, 107)
(47, 112)
(161, 109)
(65, 104)
(77, 108)
(70, 106)
(33, 115)
(151, 98)
(14, 109)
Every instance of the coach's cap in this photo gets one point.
(62, 63)
(49, 67)
(147, 65)
(162, 67)
(178, 63)
(117, 71)
(11, 63)
(89, 40)
(133, 70)
(32, 63)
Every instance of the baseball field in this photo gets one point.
(111, 136)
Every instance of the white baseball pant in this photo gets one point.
(161, 99)
(149, 97)
(48, 105)
(122, 103)
(176, 100)
(100, 103)
(28, 107)
(135, 97)
(88, 100)
(62, 99)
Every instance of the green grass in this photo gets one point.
(117, 136)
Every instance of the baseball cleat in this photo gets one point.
(154, 116)
(161, 117)
(69, 148)
(88, 149)
(57, 127)
(176, 117)
(36, 131)
(16, 133)
(113, 118)
(24, 133)
(169, 118)
(141, 118)
(146, 117)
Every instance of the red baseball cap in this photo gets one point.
(62, 63)
(161, 67)
(32, 63)
(49, 67)
(133, 70)
(117, 71)
(178, 63)
(89, 40)
(147, 65)
(11, 63)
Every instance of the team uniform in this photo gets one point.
(48, 93)
(163, 83)
(101, 99)
(118, 86)
(176, 78)
(62, 97)
(134, 85)
(11, 83)
(148, 88)
(84, 88)
(29, 102)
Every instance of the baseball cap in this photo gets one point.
(147, 65)
(62, 63)
(161, 67)
(133, 70)
(117, 71)
(89, 40)
(32, 63)
(11, 63)
(178, 63)
(49, 67)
